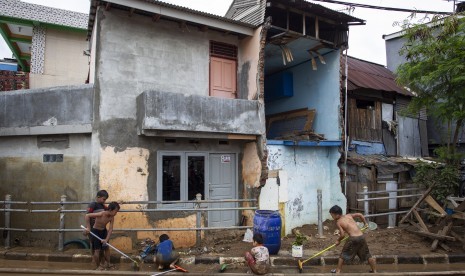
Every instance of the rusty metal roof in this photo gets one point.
(367, 75)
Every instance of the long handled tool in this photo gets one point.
(175, 268)
(301, 263)
(135, 263)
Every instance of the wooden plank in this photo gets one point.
(432, 235)
(458, 216)
(418, 226)
(416, 203)
(445, 247)
(457, 236)
(444, 231)
(461, 207)
(420, 221)
(430, 200)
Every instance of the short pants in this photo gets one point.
(96, 243)
(259, 268)
(355, 246)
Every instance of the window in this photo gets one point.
(363, 104)
(223, 70)
(181, 176)
(171, 178)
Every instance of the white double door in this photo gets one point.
(182, 175)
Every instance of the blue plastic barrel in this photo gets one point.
(268, 223)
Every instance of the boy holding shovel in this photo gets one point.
(356, 244)
(100, 229)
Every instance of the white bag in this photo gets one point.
(248, 236)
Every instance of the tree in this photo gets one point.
(435, 71)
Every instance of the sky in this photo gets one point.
(365, 41)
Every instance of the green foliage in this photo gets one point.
(444, 177)
(299, 239)
(433, 71)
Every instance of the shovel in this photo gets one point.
(135, 264)
(175, 268)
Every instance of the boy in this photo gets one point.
(165, 256)
(99, 229)
(356, 244)
(94, 207)
(258, 259)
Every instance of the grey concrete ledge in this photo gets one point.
(275, 261)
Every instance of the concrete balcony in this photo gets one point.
(55, 110)
(178, 115)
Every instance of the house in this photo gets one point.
(176, 107)
(47, 43)
(303, 104)
(10, 77)
(437, 131)
(383, 142)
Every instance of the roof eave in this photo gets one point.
(187, 16)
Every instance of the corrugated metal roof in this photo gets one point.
(94, 4)
(257, 17)
(368, 75)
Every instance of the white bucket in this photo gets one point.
(297, 251)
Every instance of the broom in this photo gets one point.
(301, 263)
(135, 264)
(175, 268)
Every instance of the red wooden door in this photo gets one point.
(222, 78)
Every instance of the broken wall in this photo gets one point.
(317, 90)
(308, 169)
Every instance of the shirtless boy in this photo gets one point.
(356, 245)
(100, 230)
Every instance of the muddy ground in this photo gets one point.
(382, 241)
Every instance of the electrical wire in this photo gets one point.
(382, 8)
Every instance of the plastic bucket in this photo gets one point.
(297, 251)
(268, 223)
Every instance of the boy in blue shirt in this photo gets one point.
(165, 256)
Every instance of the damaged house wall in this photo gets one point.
(164, 61)
(379, 134)
(44, 154)
(310, 168)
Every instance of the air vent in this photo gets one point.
(170, 141)
(223, 142)
(223, 50)
(52, 158)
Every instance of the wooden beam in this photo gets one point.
(457, 236)
(131, 11)
(420, 221)
(107, 6)
(416, 203)
(242, 137)
(444, 231)
(317, 27)
(445, 247)
(430, 200)
(432, 235)
(461, 207)
(156, 17)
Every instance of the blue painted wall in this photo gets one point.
(315, 90)
(308, 169)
